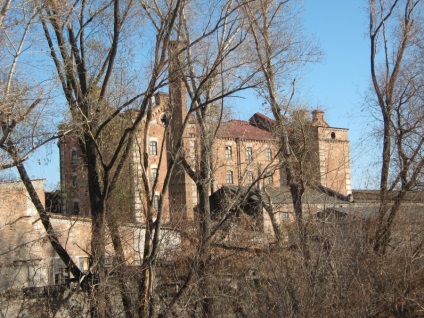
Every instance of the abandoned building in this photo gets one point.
(244, 153)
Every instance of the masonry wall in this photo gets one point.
(73, 178)
(26, 255)
(258, 167)
(334, 161)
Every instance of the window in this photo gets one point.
(269, 180)
(250, 177)
(76, 207)
(228, 152)
(154, 174)
(60, 272)
(229, 177)
(249, 153)
(74, 180)
(153, 146)
(74, 156)
(284, 217)
(83, 264)
(268, 154)
(333, 135)
(156, 202)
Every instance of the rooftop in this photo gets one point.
(244, 130)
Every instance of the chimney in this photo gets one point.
(177, 88)
(318, 119)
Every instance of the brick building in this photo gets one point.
(27, 258)
(243, 152)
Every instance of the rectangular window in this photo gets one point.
(269, 180)
(60, 272)
(76, 207)
(249, 153)
(284, 217)
(249, 177)
(229, 177)
(156, 202)
(74, 180)
(153, 146)
(228, 152)
(74, 156)
(83, 264)
(268, 154)
(154, 174)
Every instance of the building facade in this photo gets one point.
(244, 152)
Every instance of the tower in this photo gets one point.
(331, 155)
(182, 190)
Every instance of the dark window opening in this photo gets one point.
(76, 208)
(74, 157)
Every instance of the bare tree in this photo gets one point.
(280, 51)
(22, 106)
(396, 70)
(91, 68)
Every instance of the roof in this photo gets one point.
(374, 195)
(244, 130)
(282, 195)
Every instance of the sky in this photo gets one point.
(337, 85)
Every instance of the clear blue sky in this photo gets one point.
(337, 85)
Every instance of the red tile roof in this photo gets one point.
(243, 129)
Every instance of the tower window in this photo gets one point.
(74, 156)
(333, 135)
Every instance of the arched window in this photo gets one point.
(230, 179)
(228, 152)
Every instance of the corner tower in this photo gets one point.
(331, 158)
